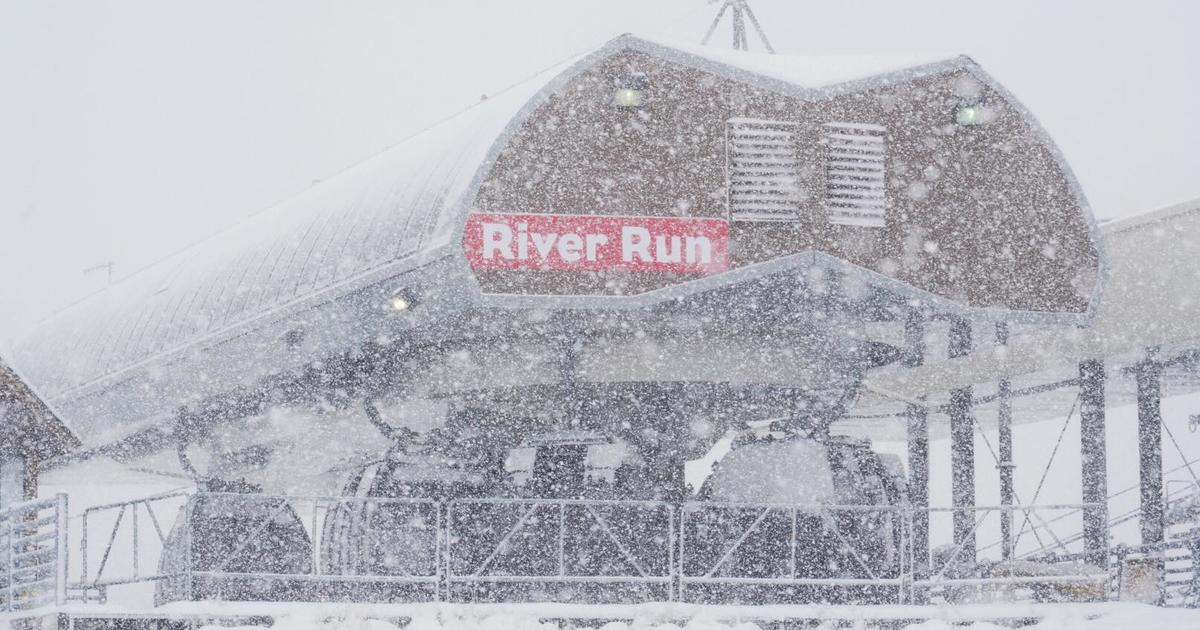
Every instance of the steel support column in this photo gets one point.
(1093, 458)
(1150, 449)
(1005, 465)
(962, 448)
(918, 450)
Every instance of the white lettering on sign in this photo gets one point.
(589, 243)
(635, 241)
(497, 238)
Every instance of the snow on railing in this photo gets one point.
(33, 536)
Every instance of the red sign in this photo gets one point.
(596, 243)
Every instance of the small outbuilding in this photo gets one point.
(30, 435)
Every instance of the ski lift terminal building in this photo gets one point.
(649, 245)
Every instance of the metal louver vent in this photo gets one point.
(762, 165)
(855, 177)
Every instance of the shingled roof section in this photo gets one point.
(27, 424)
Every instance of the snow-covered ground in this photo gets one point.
(1119, 620)
(685, 617)
(334, 616)
(1124, 620)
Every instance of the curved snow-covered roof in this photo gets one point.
(350, 231)
(844, 72)
(388, 208)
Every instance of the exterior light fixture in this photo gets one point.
(628, 98)
(401, 301)
(293, 338)
(969, 114)
(631, 91)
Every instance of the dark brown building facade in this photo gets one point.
(972, 206)
(30, 434)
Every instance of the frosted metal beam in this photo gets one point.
(1093, 457)
(918, 450)
(1005, 465)
(1149, 395)
(962, 447)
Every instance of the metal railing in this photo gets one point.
(744, 545)
(33, 537)
(571, 541)
(362, 549)
(1176, 572)
(955, 573)
(287, 548)
(121, 525)
(248, 546)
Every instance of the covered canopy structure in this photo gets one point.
(1150, 302)
(894, 175)
(1142, 345)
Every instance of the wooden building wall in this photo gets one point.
(30, 435)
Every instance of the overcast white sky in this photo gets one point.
(130, 129)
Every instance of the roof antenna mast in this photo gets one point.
(104, 266)
(740, 10)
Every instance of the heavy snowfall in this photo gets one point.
(726, 314)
